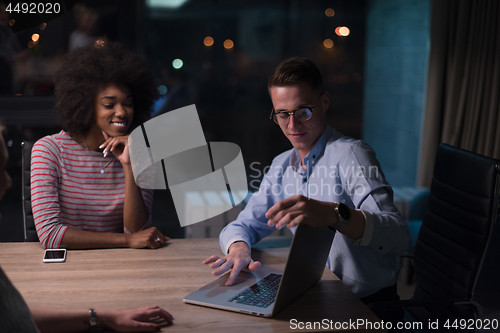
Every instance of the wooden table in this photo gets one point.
(130, 278)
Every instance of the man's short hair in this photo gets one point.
(296, 70)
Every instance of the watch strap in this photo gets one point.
(367, 232)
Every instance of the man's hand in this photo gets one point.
(237, 259)
(151, 238)
(133, 320)
(299, 209)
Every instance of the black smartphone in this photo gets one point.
(54, 255)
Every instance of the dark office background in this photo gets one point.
(375, 75)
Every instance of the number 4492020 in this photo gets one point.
(462, 324)
(34, 8)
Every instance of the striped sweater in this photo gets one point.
(69, 190)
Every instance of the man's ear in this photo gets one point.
(325, 101)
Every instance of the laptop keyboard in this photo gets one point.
(261, 294)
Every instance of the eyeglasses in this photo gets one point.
(303, 113)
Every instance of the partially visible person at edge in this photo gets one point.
(83, 192)
(326, 180)
(17, 318)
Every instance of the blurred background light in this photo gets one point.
(35, 37)
(228, 44)
(329, 12)
(12, 22)
(342, 31)
(99, 43)
(167, 4)
(43, 26)
(162, 89)
(328, 43)
(177, 63)
(208, 41)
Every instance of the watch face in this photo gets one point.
(344, 211)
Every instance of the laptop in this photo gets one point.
(268, 291)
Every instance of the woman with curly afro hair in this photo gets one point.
(82, 186)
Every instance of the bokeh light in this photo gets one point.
(35, 37)
(177, 63)
(12, 22)
(43, 26)
(208, 41)
(328, 43)
(99, 43)
(329, 12)
(30, 44)
(162, 89)
(342, 31)
(228, 44)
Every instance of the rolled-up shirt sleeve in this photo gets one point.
(372, 194)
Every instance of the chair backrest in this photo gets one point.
(457, 225)
(30, 234)
(418, 206)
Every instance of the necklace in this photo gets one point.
(104, 167)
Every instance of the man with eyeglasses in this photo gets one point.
(327, 179)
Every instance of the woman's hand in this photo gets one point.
(134, 320)
(118, 146)
(144, 319)
(151, 238)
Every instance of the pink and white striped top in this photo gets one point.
(69, 190)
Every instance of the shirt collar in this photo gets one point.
(316, 151)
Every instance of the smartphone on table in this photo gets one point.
(54, 255)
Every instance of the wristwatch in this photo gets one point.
(344, 215)
(93, 321)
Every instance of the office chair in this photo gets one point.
(454, 238)
(30, 234)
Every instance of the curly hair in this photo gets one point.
(88, 70)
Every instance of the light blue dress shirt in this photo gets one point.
(338, 168)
